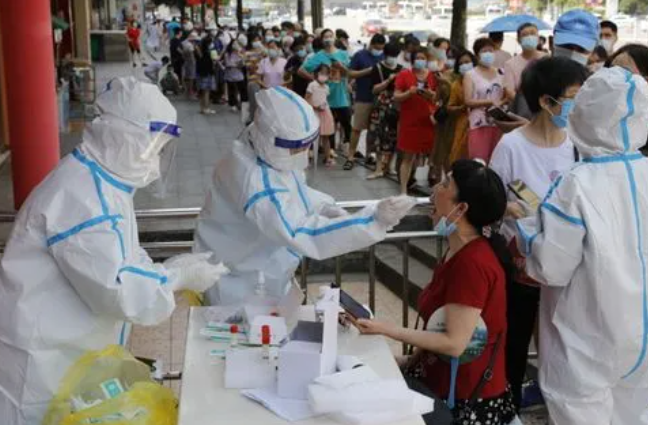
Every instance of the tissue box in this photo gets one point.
(300, 363)
(311, 353)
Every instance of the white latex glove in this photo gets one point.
(390, 211)
(194, 272)
(332, 211)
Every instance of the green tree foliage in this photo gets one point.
(634, 7)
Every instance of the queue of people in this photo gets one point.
(548, 236)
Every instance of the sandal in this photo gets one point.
(348, 166)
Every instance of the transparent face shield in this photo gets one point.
(162, 150)
(298, 150)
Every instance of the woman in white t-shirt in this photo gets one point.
(536, 154)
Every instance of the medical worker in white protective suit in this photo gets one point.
(260, 216)
(73, 271)
(588, 245)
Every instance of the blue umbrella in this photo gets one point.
(511, 23)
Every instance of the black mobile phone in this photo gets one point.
(499, 114)
(351, 306)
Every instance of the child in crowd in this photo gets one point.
(316, 94)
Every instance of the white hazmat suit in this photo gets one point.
(73, 271)
(260, 215)
(588, 247)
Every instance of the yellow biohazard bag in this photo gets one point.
(111, 386)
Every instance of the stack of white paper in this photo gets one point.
(288, 409)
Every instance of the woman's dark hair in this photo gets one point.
(318, 44)
(322, 67)
(324, 31)
(480, 43)
(378, 39)
(601, 53)
(298, 44)
(638, 53)
(453, 51)
(460, 55)
(419, 49)
(439, 41)
(251, 39)
(287, 25)
(482, 189)
(410, 40)
(340, 33)
(550, 76)
(392, 49)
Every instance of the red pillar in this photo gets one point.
(32, 114)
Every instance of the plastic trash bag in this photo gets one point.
(111, 387)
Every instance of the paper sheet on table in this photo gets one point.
(288, 409)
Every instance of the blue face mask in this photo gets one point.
(376, 52)
(443, 228)
(529, 42)
(420, 64)
(566, 107)
(465, 68)
(450, 63)
(301, 53)
(487, 58)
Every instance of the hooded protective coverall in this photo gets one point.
(260, 216)
(588, 246)
(73, 271)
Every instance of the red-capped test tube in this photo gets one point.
(265, 341)
(234, 331)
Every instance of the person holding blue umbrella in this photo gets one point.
(510, 23)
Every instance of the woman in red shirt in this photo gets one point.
(416, 93)
(469, 288)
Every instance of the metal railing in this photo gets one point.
(403, 237)
(193, 212)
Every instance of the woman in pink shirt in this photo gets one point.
(271, 68)
(483, 88)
